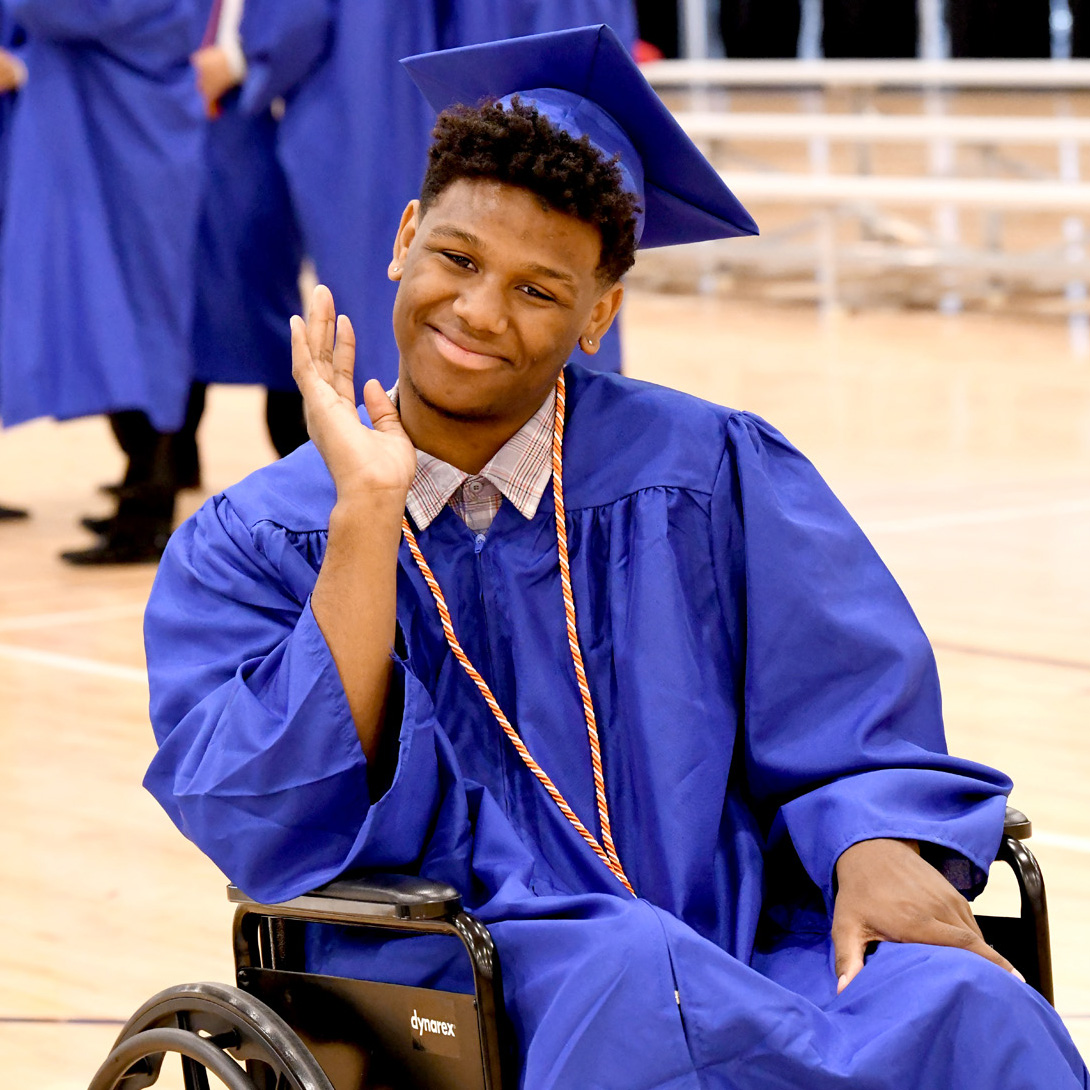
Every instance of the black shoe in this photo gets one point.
(190, 481)
(101, 526)
(116, 549)
(12, 514)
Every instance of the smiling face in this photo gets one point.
(496, 289)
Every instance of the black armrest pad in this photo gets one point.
(403, 890)
(372, 896)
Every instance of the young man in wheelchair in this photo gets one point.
(610, 660)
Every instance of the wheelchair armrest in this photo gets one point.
(375, 896)
(1016, 825)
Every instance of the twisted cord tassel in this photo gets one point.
(608, 854)
(573, 636)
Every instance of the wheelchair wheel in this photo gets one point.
(215, 1029)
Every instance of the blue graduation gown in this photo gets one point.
(97, 253)
(765, 698)
(11, 38)
(249, 253)
(355, 133)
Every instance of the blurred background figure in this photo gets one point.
(96, 259)
(12, 77)
(249, 247)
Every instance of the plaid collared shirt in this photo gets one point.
(519, 470)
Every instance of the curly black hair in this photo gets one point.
(521, 147)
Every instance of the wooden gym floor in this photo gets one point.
(961, 445)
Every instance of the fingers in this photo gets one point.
(973, 941)
(344, 359)
(302, 365)
(324, 348)
(381, 410)
(321, 330)
(850, 945)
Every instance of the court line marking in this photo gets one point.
(1063, 840)
(72, 616)
(72, 663)
(1010, 656)
(31, 1020)
(977, 518)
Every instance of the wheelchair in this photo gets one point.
(282, 1028)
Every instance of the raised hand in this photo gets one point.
(363, 462)
(887, 893)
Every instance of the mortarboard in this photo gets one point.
(585, 82)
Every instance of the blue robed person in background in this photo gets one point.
(353, 137)
(12, 77)
(96, 260)
(248, 257)
(249, 247)
(612, 661)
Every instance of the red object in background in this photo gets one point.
(644, 52)
(212, 27)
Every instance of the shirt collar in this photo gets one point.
(520, 469)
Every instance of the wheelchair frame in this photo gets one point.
(1023, 939)
(268, 965)
(212, 1026)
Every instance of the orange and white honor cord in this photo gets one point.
(606, 850)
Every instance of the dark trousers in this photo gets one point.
(154, 456)
(1000, 28)
(145, 506)
(161, 463)
(285, 420)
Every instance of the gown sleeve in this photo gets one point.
(843, 722)
(259, 762)
(284, 40)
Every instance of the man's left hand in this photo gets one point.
(887, 893)
(215, 76)
(12, 72)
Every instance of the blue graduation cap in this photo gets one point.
(585, 82)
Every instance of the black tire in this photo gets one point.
(216, 1028)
